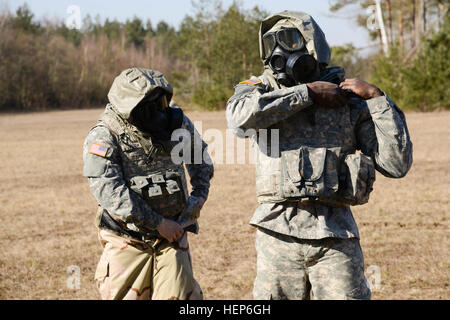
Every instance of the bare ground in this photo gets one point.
(47, 214)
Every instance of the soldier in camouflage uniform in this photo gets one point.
(140, 186)
(308, 170)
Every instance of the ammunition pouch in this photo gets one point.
(359, 177)
(316, 173)
(163, 192)
(309, 172)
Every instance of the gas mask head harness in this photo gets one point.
(285, 52)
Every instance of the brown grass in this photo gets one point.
(47, 215)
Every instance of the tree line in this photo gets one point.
(45, 65)
(415, 70)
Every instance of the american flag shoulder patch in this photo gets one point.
(98, 149)
(251, 82)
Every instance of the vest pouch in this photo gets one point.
(163, 192)
(359, 173)
(309, 172)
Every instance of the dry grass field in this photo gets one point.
(47, 214)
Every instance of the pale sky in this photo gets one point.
(338, 30)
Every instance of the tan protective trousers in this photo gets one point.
(134, 270)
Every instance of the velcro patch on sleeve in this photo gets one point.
(98, 149)
(251, 82)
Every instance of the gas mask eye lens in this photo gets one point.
(290, 39)
(269, 43)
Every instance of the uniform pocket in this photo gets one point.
(102, 279)
(102, 270)
(309, 172)
(359, 172)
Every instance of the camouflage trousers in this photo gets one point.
(134, 270)
(291, 268)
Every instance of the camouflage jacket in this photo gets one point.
(306, 185)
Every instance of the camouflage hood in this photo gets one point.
(316, 44)
(133, 85)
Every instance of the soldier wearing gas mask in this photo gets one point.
(145, 209)
(331, 135)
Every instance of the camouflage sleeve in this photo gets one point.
(106, 181)
(382, 133)
(252, 107)
(200, 168)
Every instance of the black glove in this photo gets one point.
(326, 94)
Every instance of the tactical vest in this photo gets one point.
(150, 173)
(316, 160)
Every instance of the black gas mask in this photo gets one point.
(154, 116)
(286, 54)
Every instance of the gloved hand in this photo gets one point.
(361, 88)
(326, 94)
